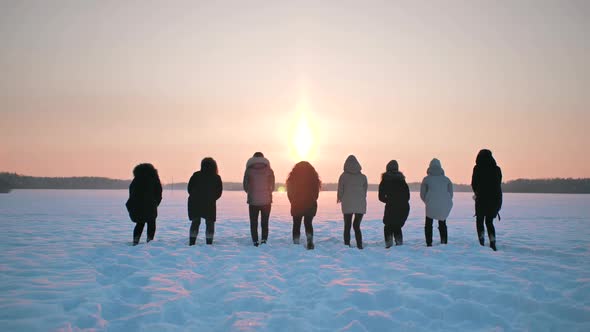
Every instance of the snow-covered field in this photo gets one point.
(66, 264)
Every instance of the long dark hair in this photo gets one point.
(209, 165)
(146, 170)
(303, 172)
(485, 158)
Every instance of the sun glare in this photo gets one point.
(303, 138)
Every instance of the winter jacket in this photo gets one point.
(352, 188)
(395, 193)
(436, 192)
(486, 183)
(145, 195)
(259, 181)
(303, 197)
(204, 190)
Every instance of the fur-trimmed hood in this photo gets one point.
(258, 162)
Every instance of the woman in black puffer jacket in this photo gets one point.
(145, 195)
(204, 188)
(395, 193)
(487, 186)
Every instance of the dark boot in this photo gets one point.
(310, 245)
(192, 241)
(399, 240)
(256, 244)
(428, 231)
(442, 229)
(296, 240)
(482, 240)
(209, 240)
(493, 245)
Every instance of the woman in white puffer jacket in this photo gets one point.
(352, 193)
(436, 192)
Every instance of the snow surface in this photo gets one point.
(66, 264)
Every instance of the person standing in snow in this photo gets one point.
(204, 189)
(395, 193)
(436, 192)
(303, 189)
(259, 183)
(352, 193)
(486, 183)
(145, 195)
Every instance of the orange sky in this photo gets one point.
(93, 88)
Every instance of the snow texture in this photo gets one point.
(67, 264)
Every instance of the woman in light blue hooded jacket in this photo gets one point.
(352, 193)
(436, 192)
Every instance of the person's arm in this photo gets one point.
(158, 193)
(340, 189)
(365, 185)
(290, 192)
(423, 190)
(382, 194)
(189, 187)
(218, 187)
(316, 193)
(475, 181)
(245, 181)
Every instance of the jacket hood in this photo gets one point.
(352, 165)
(435, 168)
(392, 166)
(393, 171)
(485, 158)
(257, 162)
(145, 170)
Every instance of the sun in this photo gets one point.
(303, 138)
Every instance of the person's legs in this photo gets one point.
(151, 230)
(428, 231)
(398, 236)
(491, 232)
(296, 228)
(388, 235)
(442, 229)
(265, 216)
(308, 221)
(480, 231)
(209, 231)
(137, 232)
(347, 225)
(254, 210)
(194, 231)
(358, 218)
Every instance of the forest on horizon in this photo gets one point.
(10, 181)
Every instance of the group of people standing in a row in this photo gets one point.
(303, 187)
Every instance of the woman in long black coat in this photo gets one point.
(204, 189)
(303, 189)
(487, 186)
(395, 193)
(145, 195)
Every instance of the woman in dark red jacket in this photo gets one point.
(303, 189)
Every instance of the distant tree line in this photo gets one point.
(15, 181)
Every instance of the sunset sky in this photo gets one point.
(95, 87)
